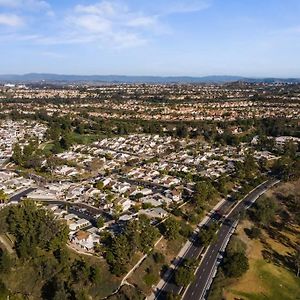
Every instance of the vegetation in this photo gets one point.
(272, 238)
(138, 235)
(184, 275)
(3, 197)
(207, 233)
(264, 211)
(43, 267)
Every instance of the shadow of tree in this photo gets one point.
(275, 234)
(272, 256)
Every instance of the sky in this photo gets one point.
(257, 38)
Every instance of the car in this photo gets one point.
(228, 221)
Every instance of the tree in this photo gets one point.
(235, 264)
(171, 229)
(100, 185)
(185, 273)
(35, 228)
(204, 191)
(206, 234)
(254, 232)
(171, 296)
(4, 292)
(296, 258)
(66, 141)
(53, 162)
(118, 254)
(265, 210)
(95, 274)
(5, 261)
(17, 156)
(100, 222)
(3, 197)
(148, 235)
(158, 257)
(182, 131)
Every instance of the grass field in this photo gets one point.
(271, 273)
(264, 279)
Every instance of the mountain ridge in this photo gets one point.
(49, 77)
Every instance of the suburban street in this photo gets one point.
(82, 210)
(204, 274)
(19, 195)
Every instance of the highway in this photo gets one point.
(203, 278)
(197, 290)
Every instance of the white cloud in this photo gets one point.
(187, 6)
(106, 23)
(104, 8)
(9, 3)
(52, 54)
(11, 20)
(142, 22)
(25, 4)
(91, 23)
(112, 23)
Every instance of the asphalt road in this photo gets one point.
(19, 196)
(198, 287)
(80, 209)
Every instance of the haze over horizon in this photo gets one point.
(162, 38)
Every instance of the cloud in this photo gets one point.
(25, 4)
(11, 20)
(142, 22)
(112, 23)
(169, 7)
(106, 23)
(104, 8)
(289, 30)
(187, 6)
(91, 23)
(52, 54)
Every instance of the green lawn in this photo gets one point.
(277, 282)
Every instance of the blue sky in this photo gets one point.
(151, 37)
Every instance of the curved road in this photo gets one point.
(204, 275)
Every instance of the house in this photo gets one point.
(151, 201)
(125, 204)
(126, 218)
(52, 207)
(41, 194)
(155, 213)
(85, 240)
(121, 187)
(79, 224)
(59, 213)
(174, 194)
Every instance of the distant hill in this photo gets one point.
(56, 78)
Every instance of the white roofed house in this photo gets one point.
(124, 203)
(174, 194)
(59, 213)
(41, 194)
(155, 213)
(106, 181)
(79, 224)
(121, 187)
(75, 192)
(85, 240)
